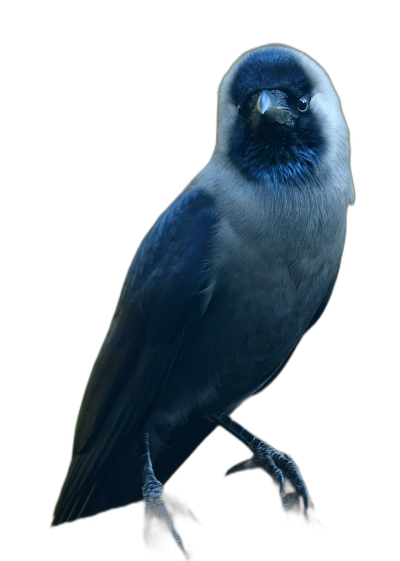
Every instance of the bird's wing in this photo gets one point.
(160, 301)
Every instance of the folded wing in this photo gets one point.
(160, 302)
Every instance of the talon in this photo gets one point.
(247, 464)
(304, 494)
(277, 464)
(281, 483)
(152, 489)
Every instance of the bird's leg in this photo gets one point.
(277, 464)
(152, 489)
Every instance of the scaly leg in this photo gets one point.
(152, 489)
(277, 464)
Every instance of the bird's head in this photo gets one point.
(279, 117)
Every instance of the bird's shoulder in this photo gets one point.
(176, 245)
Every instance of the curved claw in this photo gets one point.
(294, 477)
(284, 472)
(247, 464)
(264, 461)
(152, 490)
(277, 464)
(163, 513)
(281, 481)
(304, 495)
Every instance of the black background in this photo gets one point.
(123, 117)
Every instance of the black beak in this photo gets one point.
(274, 106)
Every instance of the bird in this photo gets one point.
(220, 292)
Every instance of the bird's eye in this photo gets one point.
(302, 104)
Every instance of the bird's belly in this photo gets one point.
(247, 332)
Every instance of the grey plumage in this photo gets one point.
(226, 283)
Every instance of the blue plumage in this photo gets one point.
(221, 290)
(161, 299)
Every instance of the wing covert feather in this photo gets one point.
(159, 302)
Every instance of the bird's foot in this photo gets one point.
(152, 490)
(281, 467)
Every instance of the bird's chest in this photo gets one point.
(272, 268)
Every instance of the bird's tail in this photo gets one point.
(121, 483)
(118, 485)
